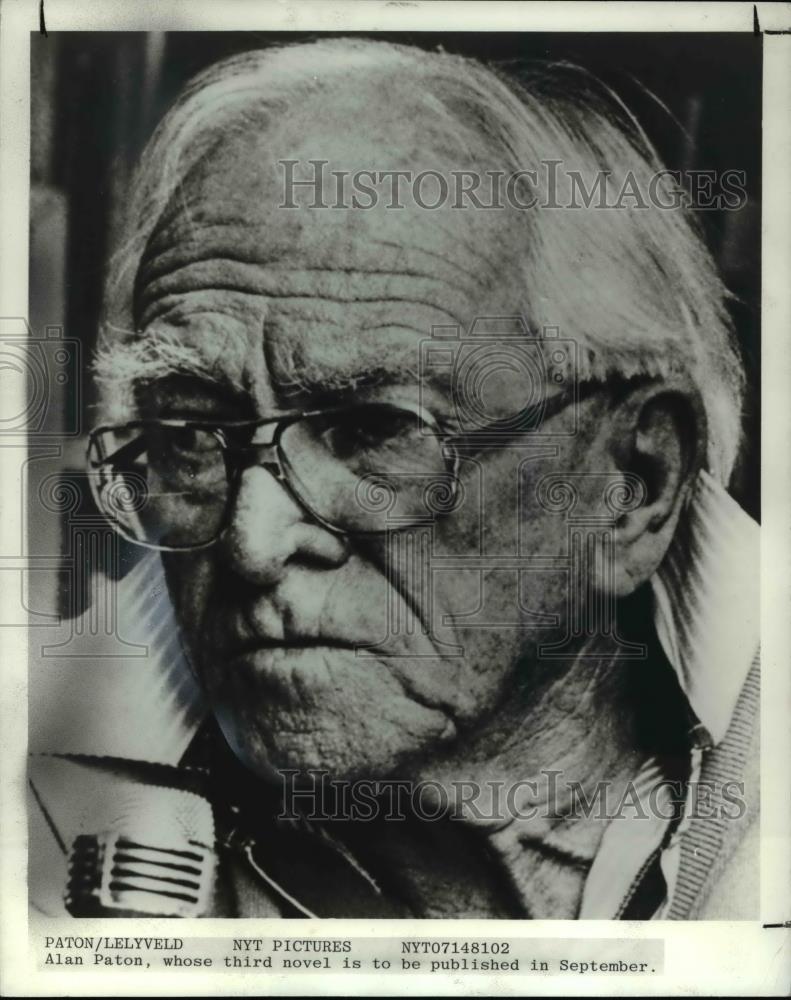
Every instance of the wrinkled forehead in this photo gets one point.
(335, 289)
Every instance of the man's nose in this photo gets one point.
(269, 531)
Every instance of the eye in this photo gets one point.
(183, 451)
(188, 440)
(369, 427)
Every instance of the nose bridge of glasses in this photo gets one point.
(264, 436)
(261, 450)
(264, 454)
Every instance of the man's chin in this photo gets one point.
(323, 709)
(333, 751)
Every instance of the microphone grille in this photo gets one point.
(156, 857)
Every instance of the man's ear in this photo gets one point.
(658, 434)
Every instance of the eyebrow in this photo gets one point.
(124, 368)
(332, 385)
(150, 358)
(323, 370)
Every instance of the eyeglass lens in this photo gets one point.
(365, 469)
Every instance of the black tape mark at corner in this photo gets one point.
(42, 24)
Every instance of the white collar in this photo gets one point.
(707, 603)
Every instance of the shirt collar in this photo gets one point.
(707, 603)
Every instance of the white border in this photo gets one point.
(378, 15)
(700, 959)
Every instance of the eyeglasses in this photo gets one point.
(365, 469)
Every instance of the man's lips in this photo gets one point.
(270, 644)
(262, 643)
(289, 668)
(267, 656)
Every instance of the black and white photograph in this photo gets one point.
(391, 479)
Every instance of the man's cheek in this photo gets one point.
(324, 710)
(190, 579)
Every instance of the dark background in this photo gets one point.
(96, 97)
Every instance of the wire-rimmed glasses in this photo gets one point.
(363, 469)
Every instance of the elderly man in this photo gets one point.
(436, 476)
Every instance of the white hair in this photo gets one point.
(636, 288)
